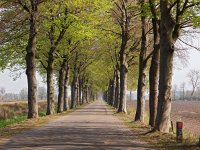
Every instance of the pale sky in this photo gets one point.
(180, 74)
(11, 86)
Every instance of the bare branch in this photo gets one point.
(189, 44)
(111, 31)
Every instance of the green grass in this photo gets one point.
(17, 119)
(6, 122)
(42, 114)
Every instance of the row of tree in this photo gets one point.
(59, 40)
(96, 46)
(156, 49)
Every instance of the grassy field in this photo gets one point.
(13, 112)
(12, 109)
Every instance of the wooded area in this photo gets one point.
(97, 47)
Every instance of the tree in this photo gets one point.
(154, 67)
(143, 58)
(194, 78)
(173, 19)
(30, 57)
(30, 9)
(124, 13)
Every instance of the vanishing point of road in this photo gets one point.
(89, 128)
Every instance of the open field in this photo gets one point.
(186, 111)
(189, 113)
(11, 109)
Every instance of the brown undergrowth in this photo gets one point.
(14, 109)
(165, 141)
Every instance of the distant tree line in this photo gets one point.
(22, 95)
(181, 93)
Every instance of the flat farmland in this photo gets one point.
(189, 113)
(186, 111)
(11, 109)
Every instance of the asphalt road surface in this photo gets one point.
(91, 127)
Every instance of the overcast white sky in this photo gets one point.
(12, 86)
(180, 74)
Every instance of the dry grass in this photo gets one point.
(159, 140)
(13, 109)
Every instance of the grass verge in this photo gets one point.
(165, 141)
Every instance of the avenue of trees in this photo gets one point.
(96, 46)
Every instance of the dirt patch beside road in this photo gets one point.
(186, 111)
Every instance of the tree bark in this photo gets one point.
(87, 92)
(154, 75)
(73, 93)
(77, 92)
(66, 102)
(80, 90)
(123, 87)
(168, 36)
(74, 84)
(140, 111)
(83, 90)
(61, 87)
(50, 86)
(30, 62)
(112, 92)
(117, 89)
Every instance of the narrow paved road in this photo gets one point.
(92, 127)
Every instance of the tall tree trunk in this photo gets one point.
(140, 111)
(117, 89)
(112, 91)
(109, 92)
(113, 87)
(86, 92)
(164, 99)
(74, 84)
(168, 36)
(77, 91)
(123, 87)
(61, 87)
(83, 90)
(30, 62)
(154, 75)
(80, 90)
(73, 93)
(123, 68)
(66, 102)
(50, 89)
